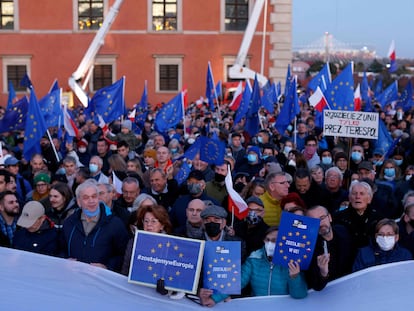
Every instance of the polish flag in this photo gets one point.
(132, 114)
(185, 97)
(391, 55)
(237, 97)
(318, 100)
(103, 125)
(237, 206)
(69, 124)
(357, 98)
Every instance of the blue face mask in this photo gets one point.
(398, 162)
(389, 172)
(90, 214)
(326, 160)
(378, 163)
(356, 156)
(174, 150)
(260, 139)
(287, 149)
(265, 156)
(251, 157)
(289, 128)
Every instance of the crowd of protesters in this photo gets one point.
(84, 198)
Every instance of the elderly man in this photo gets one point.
(95, 168)
(92, 234)
(332, 257)
(194, 223)
(335, 192)
(277, 187)
(360, 217)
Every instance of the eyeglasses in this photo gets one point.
(150, 221)
(41, 185)
(323, 217)
(281, 182)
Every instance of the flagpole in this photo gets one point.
(182, 105)
(295, 133)
(215, 93)
(263, 39)
(53, 145)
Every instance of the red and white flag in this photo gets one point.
(132, 114)
(318, 100)
(69, 124)
(357, 98)
(237, 206)
(237, 97)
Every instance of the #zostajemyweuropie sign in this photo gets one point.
(357, 124)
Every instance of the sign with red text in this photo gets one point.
(356, 124)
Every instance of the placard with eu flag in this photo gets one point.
(296, 240)
(175, 260)
(222, 266)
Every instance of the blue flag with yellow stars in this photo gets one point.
(109, 101)
(14, 118)
(212, 150)
(296, 240)
(340, 93)
(51, 108)
(222, 267)
(290, 108)
(175, 260)
(170, 114)
(35, 128)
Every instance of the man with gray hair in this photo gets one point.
(333, 184)
(95, 168)
(93, 234)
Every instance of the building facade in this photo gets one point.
(167, 43)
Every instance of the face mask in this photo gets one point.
(326, 160)
(229, 154)
(218, 177)
(287, 149)
(398, 162)
(389, 172)
(191, 141)
(265, 156)
(260, 139)
(292, 163)
(194, 188)
(356, 156)
(253, 218)
(408, 177)
(251, 157)
(270, 248)
(289, 128)
(385, 242)
(378, 163)
(82, 149)
(93, 168)
(174, 150)
(212, 229)
(190, 165)
(89, 213)
(61, 171)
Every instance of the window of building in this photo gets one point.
(14, 69)
(168, 74)
(165, 15)
(236, 15)
(90, 14)
(104, 72)
(7, 20)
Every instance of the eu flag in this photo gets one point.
(321, 79)
(51, 108)
(269, 97)
(384, 140)
(289, 109)
(12, 96)
(244, 104)
(109, 101)
(159, 256)
(389, 95)
(14, 119)
(170, 114)
(288, 78)
(252, 120)
(212, 150)
(25, 81)
(378, 87)
(210, 88)
(406, 98)
(142, 107)
(366, 93)
(35, 128)
(183, 173)
(340, 94)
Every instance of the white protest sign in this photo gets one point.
(357, 124)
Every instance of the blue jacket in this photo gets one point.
(267, 279)
(105, 244)
(372, 256)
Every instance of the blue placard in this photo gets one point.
(159, 256)
(222, 266)
(296, 240)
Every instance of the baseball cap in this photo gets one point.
(32, 210)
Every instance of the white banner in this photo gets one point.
(357, 124)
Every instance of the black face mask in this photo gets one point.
(253, 219)
(219, 177)
(212, 229)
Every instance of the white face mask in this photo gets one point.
(385, 242)
(292, 163)
(270, 248)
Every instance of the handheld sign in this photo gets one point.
(357, 124)
(177, 261)
(296, 240)
(222, 266)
